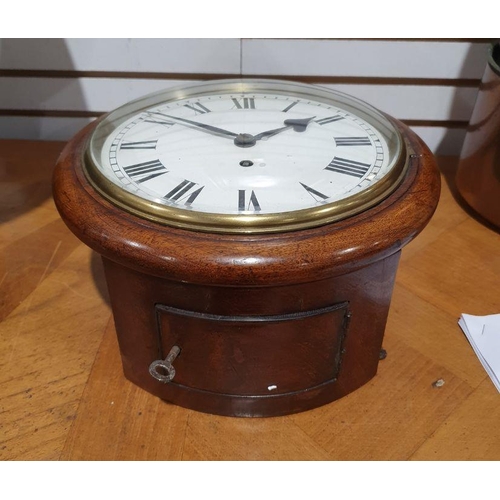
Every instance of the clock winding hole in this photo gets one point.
(246, 163)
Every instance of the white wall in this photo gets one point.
(50, 88)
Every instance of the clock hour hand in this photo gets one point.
(298, 124)
(202, 126)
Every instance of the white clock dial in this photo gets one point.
(257, 150)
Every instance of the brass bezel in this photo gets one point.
(258, 223)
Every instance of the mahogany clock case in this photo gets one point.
(267, 324)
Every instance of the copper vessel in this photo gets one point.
(478, 174)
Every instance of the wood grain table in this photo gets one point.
(63, 395)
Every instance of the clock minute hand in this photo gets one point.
(202, 126)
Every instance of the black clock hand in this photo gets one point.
(202, 126)
(243, 140)
(298, 124)
(270, 133)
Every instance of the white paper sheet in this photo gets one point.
(483, 333)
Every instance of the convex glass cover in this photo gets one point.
(246, 156)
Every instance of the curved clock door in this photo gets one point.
(254, 355)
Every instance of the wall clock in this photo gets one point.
(250, 232)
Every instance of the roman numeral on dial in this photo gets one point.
(352, 141)
(181, 192)
(315, 194)
(242, 203)
(158, 121)
(198, 108)
(139, 145)
(244, 103)
(348, 167)
(139, 172)
(329, 119)
(290, 106)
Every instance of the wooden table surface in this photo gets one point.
(63, 395)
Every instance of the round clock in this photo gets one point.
(250, 233)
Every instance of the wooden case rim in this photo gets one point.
(247, 260)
